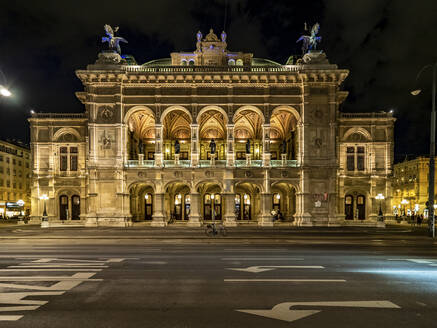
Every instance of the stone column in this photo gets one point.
(229, 217)
(266, 218)
(304, 202)
(195, 147)
(159, 151)
(158, 218)
(195, 217)
(266, 145)
(230, 153)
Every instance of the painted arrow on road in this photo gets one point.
(283, 312)
(263, 268)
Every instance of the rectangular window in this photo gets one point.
(19, 174)
(1, 169)
(8, 171)
(14, 185)
(7, 159)
(73, 162)
(8, 183)
(19, 163)
(350, 158)
(13, 161)
(1, 158)
(1, 183)
(63, 158)
(360, 158)
(27, 165)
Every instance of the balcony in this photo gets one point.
(208, 163)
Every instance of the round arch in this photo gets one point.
(251, 108)
(172, 108)
(135, 109)
(144, 183)
(357, 130)
(62, 131)
(209, 181)
(290, 109)
(259, 185)
(291, 183)
(211, 107)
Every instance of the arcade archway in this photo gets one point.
(212, 126)
(284, 199)
(176, 127)
(248, 126)
(141, 202)
(141, 134)
(283, 133)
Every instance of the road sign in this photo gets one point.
(283, 311)
(263, 268)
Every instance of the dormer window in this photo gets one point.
(184, 62)
(239, 62)
(231, 62)
(191, 62)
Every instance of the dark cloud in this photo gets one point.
(383, 43)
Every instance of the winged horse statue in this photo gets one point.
(113, 41)
(309, 42)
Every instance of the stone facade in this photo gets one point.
(145, 150)
(410, 187)
(15, 178)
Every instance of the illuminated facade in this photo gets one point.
(15, 179)
(410, 187)
(143, 150)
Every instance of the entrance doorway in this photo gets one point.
(63, 207)
(355, 207)
(349, 207)
(75, 207)
(148, 206)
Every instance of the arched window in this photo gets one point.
(238, 206)
(178, 206)
(239, 62)
(75, 207)
(349, 207)
(148, 206)
(187, 203)
(63, 207)
(276, 202)
(212, 201)
(191, 62)
(247, 207)
(231, 62)
(184, 62)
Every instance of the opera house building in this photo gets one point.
(211, 134)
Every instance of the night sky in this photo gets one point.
(383, 43)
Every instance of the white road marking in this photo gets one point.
(10, 317)
(283, 312)
(51, 259)
(155, 262)
(255, 249)
(261, 259)
(19, 308)
(284, 280)
(419, 261)
(55, 266)
(31, 270)
(263, 268)
(17, 297)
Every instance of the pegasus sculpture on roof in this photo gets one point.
(113, 41)
(309, 42)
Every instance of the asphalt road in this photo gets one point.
(178, 278)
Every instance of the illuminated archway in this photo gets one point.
(284, 132)
(248, 121)
(176, 127)
(212, 122)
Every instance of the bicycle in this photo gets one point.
(211, 230)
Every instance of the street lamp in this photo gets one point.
(4, 91)
(404, 202)
(380, 197)
(431, 147)
(44, 198)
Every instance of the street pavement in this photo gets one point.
(176, 277)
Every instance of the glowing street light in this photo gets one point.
(5, 92)
(44, 198)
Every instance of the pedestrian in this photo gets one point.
(419, 219)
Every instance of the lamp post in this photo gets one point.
(380, 197)
(44, 198)
(431, 149)
(404, 202)
(4, 91)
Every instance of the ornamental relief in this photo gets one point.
(105, 114)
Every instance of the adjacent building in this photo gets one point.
(410, 187)
(15, 179)
(211, 135)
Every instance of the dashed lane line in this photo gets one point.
(284, 280)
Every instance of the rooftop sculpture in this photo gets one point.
(309, 42)
(113, 41)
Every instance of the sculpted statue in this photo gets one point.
(223, 36)
(199, 36)
(140, 147)
(284, 147)
(177, 147)
(113, 41)
(248, 146)
(309, 42)
(212, 146)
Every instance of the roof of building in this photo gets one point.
(167, 62)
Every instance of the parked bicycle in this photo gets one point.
(212, 230)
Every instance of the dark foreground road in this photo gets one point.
(138, 278)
